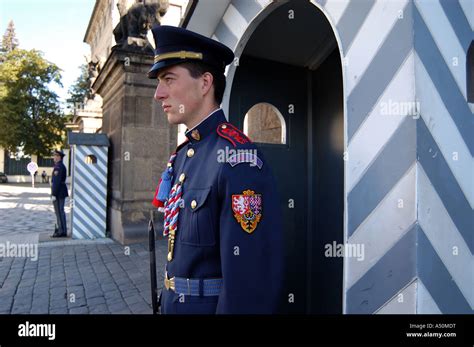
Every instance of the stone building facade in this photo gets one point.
(140, 136)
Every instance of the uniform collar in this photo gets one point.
(206, 126)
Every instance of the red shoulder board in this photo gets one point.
(231, 133)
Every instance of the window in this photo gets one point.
(263, 123)
(15, 165)
(90, 159)
(45, 162)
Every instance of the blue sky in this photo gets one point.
(55, 27)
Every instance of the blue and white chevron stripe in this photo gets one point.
(89, 193)
(409, 187)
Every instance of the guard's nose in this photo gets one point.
(160, 92)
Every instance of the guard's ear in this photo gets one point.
(207, 81)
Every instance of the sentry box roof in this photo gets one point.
(86, 139)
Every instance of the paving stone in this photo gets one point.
(58, 292)
(60, 310)
(94, 294)
(129, 293)
(79, 310)
(109, 295)
(58, 302)
(76, 303)
(95, 301)
(141, 308)
(42, 308)
(40, 298)
(133, 300)
(23, 309)
(101, 276)
(99, 309)
(119, 309)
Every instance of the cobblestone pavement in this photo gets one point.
(71, 276)
(26, 210)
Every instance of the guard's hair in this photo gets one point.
(197, 69)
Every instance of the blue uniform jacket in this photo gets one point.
(58, 187)
(213, 239)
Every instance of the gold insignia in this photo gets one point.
(195, 135)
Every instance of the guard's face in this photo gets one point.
(56, 158)
(179, 94)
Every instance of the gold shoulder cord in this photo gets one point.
(171, 237)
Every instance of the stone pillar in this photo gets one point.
(141, 141)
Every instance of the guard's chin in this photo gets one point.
(174, 119)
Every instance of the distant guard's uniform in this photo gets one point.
(222, 216)
(59, 191)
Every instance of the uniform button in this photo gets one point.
(190, 152)
(224, 126)
(193, 204)
(182, 177)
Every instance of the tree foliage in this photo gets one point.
(80, 89)
(9, 40)
(30, 113)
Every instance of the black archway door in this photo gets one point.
(288, 161)
(309, 166)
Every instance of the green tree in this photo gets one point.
(30, 113)
(9, 40)
(79, 90)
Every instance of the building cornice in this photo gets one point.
(99, 4)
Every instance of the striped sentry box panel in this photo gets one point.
(89, 192)
(419, 258)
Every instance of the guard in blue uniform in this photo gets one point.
(218, 195)
(59, 193)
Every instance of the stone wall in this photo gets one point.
(141, 141)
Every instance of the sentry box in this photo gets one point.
(363, 109)
(89, 185)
